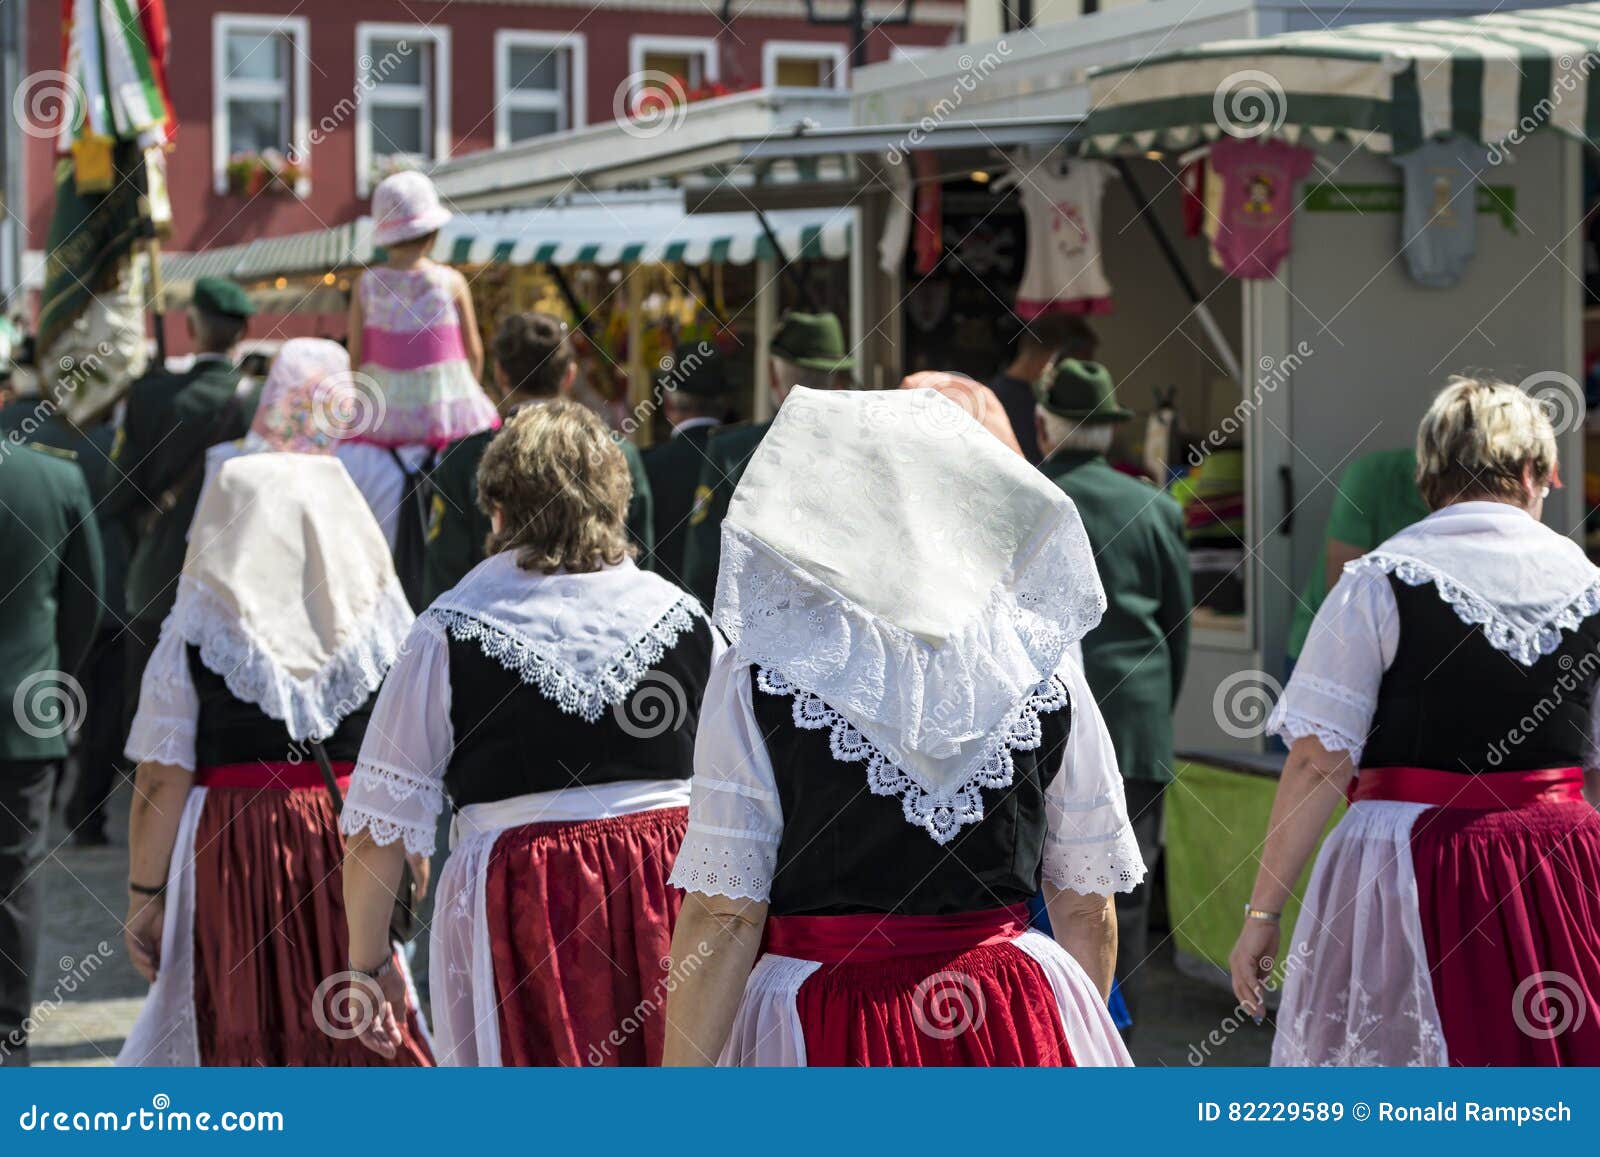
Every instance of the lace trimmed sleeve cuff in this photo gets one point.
(1089, 845)
(1333, 692)
(735, 815)
(163, 729)
(397, 791)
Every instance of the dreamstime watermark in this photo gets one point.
(1574, 679)
(1272, 374)
(73, 373)
(650, 103)
(346, 1004)
(1243, 703)
(1569, 79)
(947, 1004)
(657, 705)
(1277, 972)
(1547, 1004)
(652, 1005)
(48, 704)
(47, 102)
(1561, 397)
(369, 75)
(347, 405)
(74, 975)
(974, 71)
(675, 371)
(1249, 104)
(160, 1117)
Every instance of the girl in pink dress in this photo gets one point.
(412, 327)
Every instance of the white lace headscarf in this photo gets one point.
(887, 554)
(288, 590)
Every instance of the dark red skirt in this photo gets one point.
(580, 929)
(1509, 894)
(269, 929)
(922, 991)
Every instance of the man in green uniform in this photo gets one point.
(50, 587)
(159, 457)
(533, 362)
(808, 350)
(34, 419)
(694, 396)
(1135, 658)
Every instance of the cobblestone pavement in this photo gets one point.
(88, 994)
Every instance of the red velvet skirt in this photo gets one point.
(922, 991)
(1509, 894)
(580, 929)
(269, 928)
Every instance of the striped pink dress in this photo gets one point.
(411, 346)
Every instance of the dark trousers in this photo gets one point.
(1133, 908)
(24, 828)
(105, 730)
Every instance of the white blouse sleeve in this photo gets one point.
(1333, 692)
(1089, 844)
(163, 728)
(735, 817)
(397, 788)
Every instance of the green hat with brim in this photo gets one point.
(813, 341)
(1081, 391)
(697, 369)
(221, 296)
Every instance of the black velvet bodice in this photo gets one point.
(232, 731)
(511, 740)
(847, 851)
(1451, 701)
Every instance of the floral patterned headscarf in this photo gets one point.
(308, 397)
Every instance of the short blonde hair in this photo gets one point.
(561, 486)
(1478, 439)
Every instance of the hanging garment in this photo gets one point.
(1439, 226)
(1063, 272)
(1258, 183)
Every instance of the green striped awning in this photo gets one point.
(1390, 87)
(616, 231)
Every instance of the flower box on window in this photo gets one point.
(268, 171)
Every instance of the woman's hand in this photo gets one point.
(421, 868)
(382, 1004)
(1253, 957)
(141, 933)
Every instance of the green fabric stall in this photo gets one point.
(1216, 816)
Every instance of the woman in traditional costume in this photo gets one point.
(896, 750)
(553, 696)
(288, 613)
(1448, 685)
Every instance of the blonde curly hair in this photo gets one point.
(561, 486)
(1478, 440)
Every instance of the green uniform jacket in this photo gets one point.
(728, 452)
(50, 586)
(31, 421)
(673, 467)
(457, 528)
(1136, 657)
(170, 421)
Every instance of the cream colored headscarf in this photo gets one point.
(288, 590)
(887, 554)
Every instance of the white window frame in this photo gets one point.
(436, 100)
(298, 28)
(571, 110)
(775, 50)
(641, 46)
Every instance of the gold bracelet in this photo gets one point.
(1262, 914)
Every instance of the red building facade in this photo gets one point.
(331, 95)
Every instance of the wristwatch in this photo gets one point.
(378, 973)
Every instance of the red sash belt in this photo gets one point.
(874, 936)
(266, 776)
(1490, 791)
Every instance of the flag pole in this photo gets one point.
(152, 248)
